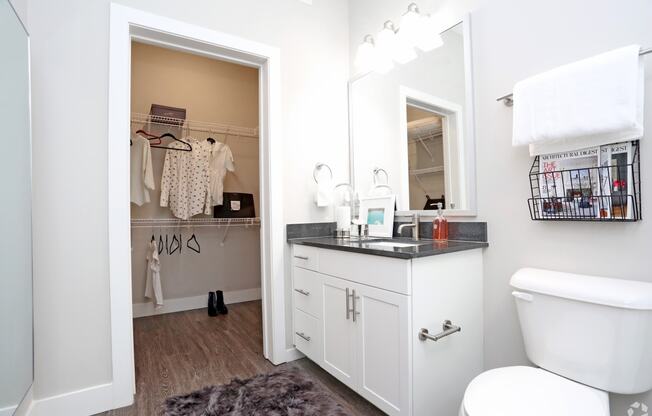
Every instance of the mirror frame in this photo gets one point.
(468, 145)
(26, 400)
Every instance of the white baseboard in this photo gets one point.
(292, 354)
(193, 302)
(83, 402)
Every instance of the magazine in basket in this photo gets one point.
(589, 183)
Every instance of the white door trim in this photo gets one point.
(438, 105)
(126, 24)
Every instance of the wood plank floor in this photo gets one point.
(180, 352)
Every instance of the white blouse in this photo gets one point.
(184, 183)
(142, 175)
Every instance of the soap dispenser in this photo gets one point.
(440, 225)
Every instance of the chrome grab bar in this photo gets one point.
(304, 336)
(301, 257)
(447, 329)
(303, 292)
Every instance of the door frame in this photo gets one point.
(444, 108)
(126, 25)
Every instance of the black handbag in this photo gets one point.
(431, 203)
(235, 205)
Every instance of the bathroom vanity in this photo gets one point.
(364, 311)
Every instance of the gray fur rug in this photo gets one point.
(286, 392)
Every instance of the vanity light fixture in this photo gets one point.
(419, 30)
(430, 34)
(416, 31)
(369, 59)
(392, 45)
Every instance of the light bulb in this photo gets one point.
(430, 37)
(366, 55)
(410, 30)
(389, 45)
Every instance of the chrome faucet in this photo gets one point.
(414, 224)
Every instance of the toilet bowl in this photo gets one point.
(518, 391)
(587, 335)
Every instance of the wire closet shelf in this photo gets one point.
(610, 192)
(148, 120)
(194, 222)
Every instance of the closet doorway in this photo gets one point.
(223, 89)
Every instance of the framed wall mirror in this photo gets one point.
(16, 340)
(414, 124)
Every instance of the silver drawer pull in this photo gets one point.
(304, 336)
(302, 257)
(303, 292)
(447, 329)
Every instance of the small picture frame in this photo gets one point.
(378, 213)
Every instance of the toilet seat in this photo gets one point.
(518, 391)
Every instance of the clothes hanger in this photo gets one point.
(160, 244)
(149, 136)
(189, 149)
(174, 240)
(193, 239)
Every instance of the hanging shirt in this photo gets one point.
(142, 176)
(153, 281)
(184, 182)
(221, 161)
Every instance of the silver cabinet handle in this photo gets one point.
(353, 298)
(447, 329)
(303, 292)
(304, 336)
(302, 257)
(348, 311)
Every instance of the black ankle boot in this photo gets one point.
(219, 303)
(212, 304)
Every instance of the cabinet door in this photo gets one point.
(383, 350)
(338, 337)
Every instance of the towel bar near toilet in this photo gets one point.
(447, 329)
(508, 99)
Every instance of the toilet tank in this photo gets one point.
(594, 330)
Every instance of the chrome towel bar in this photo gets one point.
(447, 329)
(508, 99)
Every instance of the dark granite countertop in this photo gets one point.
(424, 249)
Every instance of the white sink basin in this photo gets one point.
(393, 244)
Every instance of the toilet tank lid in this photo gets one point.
(620, 293)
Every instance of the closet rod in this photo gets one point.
(192, 223)
(194, 125)
(508, 99)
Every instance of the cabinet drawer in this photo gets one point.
(307, 291)
(376, 271)
(305, 256)
(307, 335)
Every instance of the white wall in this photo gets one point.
(512, 40)
(70, 74)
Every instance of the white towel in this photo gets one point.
(591, 102)
(153, 282)
(324, 193)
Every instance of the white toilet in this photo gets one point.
(589, 336)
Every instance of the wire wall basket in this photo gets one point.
(597, 184)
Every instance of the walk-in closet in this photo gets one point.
(195, 225)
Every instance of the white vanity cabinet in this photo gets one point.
(359, 316)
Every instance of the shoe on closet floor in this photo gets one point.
(219, 303)
(212, 304)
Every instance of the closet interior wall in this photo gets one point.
(211, 91)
